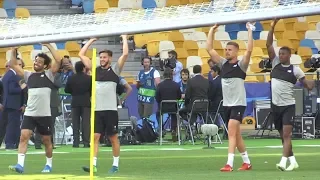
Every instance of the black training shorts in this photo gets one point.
(234, 112)
(283, 115)
(43, 125)
(106, 121)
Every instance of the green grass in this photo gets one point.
(152, 162)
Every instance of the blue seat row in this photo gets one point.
(309, 43)
(233, 29)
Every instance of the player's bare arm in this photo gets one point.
(269, 44)
(55, 66)
(82, 54)
(247, 54)
(123, 58)
(309, 84)
(14, 63)
(215, 57)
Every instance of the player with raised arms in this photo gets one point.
(106, 111)
(284, 76)
(37, 113)
(233, 74)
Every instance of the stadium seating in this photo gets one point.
(10, 6)
(88, 6)
(76, 2)
(22, 13)
(101, 6)
(149, 4)
(3, 13)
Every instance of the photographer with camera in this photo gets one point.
(174, 64)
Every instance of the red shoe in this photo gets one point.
(245, 167)
(226, 168)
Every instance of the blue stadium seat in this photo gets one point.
(309, 43)
(10, 6)
(256, 33)
(61, 45)
(88, 6)
(76, 2)
(149, 4)
(232, 30)
(37, 47)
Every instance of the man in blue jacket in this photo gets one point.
(12, 107)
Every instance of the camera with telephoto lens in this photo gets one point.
(170, 63)
(315, 62)
(265, 64)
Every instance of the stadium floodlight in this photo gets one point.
(44, 29)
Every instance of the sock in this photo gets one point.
(245, 157)
(115, 161)
(292, 160)
(21, 159)
(283, 161)
(95, 161)
(49, 162)
(230, 159)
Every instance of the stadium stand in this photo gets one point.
(301, 34)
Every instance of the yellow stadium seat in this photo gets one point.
(1, 3)
(195, 1)
(191, 47)
(205, 68)
(182, 56)
(89, 53)
(140, 39)
(286, 42)
(26, 54)
(63, 52)
(3, 53)
(300, 28)
(113, 3)
(177, 38)
(22, 13)
(206, 30)
(293, 37)
(251, 78)
(242, 46)
(163, 36)
(203, 54)
(289, 23)
(73, 48)
(279, 29)
(312, 21)
(266, 25)
(184, 2)
(261, 44)
(101, 6)
(304, 53)
(153, 47)
(218, 47)
(256, 54)
(173, 2)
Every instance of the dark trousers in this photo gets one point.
(37, 136)
(174, 121)
(10, 127)
(84, 114)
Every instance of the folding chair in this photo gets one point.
(61, 123)
(199, 106)
(168, 103)
(217, 114)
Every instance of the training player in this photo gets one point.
(233, 74)
(283, 78)
(37, 113)
(106, 111)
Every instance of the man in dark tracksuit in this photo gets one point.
(55, 109)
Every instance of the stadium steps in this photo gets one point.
(48, 7)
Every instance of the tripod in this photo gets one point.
(317, 115)
(264, 125)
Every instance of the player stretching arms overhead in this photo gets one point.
(283, 78)
(106, 111)
(37, 113)
(233, 74)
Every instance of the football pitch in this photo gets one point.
(169, 162)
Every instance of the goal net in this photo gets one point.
(18, 31)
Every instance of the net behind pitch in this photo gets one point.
(35, 29)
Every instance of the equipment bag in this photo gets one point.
(145, 131)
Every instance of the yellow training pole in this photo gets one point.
(93, 104)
